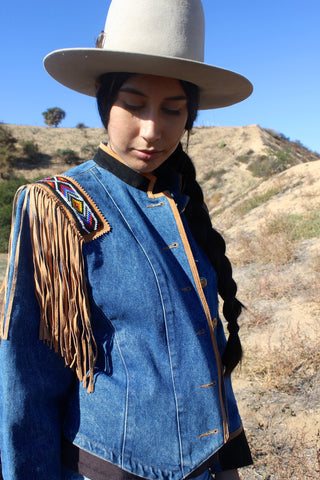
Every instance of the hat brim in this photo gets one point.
(80, 69)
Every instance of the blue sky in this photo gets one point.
(276, 44)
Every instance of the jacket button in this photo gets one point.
(211, 432)
(214, 322)
(203, 282)
(201, 332)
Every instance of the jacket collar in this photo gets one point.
(163, 178)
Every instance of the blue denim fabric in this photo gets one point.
(160, 406)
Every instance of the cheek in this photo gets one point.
(176, 128)
(121, 128)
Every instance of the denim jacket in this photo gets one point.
(160, 406)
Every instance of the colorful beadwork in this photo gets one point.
(73, 197)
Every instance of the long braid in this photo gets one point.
(212, 243)
(196, 212)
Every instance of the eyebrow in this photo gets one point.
(141, 94)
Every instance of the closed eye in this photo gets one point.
(132, 108)
(171, 111)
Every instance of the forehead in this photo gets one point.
(152, 85)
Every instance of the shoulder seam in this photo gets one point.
(85, 213)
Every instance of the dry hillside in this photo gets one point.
(263, 192)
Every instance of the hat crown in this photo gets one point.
(170, 28)
(151, 37)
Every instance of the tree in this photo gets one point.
(81, 126)
(53, 116)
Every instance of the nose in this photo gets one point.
(150, 129)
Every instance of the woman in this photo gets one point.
(116, 267)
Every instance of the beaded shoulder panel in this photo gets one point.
(89, 219)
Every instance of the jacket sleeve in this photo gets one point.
(34, 381)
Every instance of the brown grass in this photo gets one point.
(285, 445)
(285, 367)
(279, 455)
(264, 247)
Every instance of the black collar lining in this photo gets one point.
(166, 178)
(122, 171)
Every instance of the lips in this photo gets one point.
(146, 154)
(150, 151)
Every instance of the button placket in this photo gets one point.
(199, 287)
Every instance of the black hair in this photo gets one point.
(196, 212)
(110, 83)
(214, 246)
(109, 86)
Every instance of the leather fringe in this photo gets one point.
(60, 283)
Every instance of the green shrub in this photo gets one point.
(277, 135)
(213, 174)
(7, 151)
(7, 192)
(246, 157)
(284, 158)
(31, 151)
(7, 139)
(262, 166)
(88, 151)
(256, 201)
(298, 226)
(243, 158)
(69, 156)
(274, 162)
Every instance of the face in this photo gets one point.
(147, 121)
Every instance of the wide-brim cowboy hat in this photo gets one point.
(156, 37)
